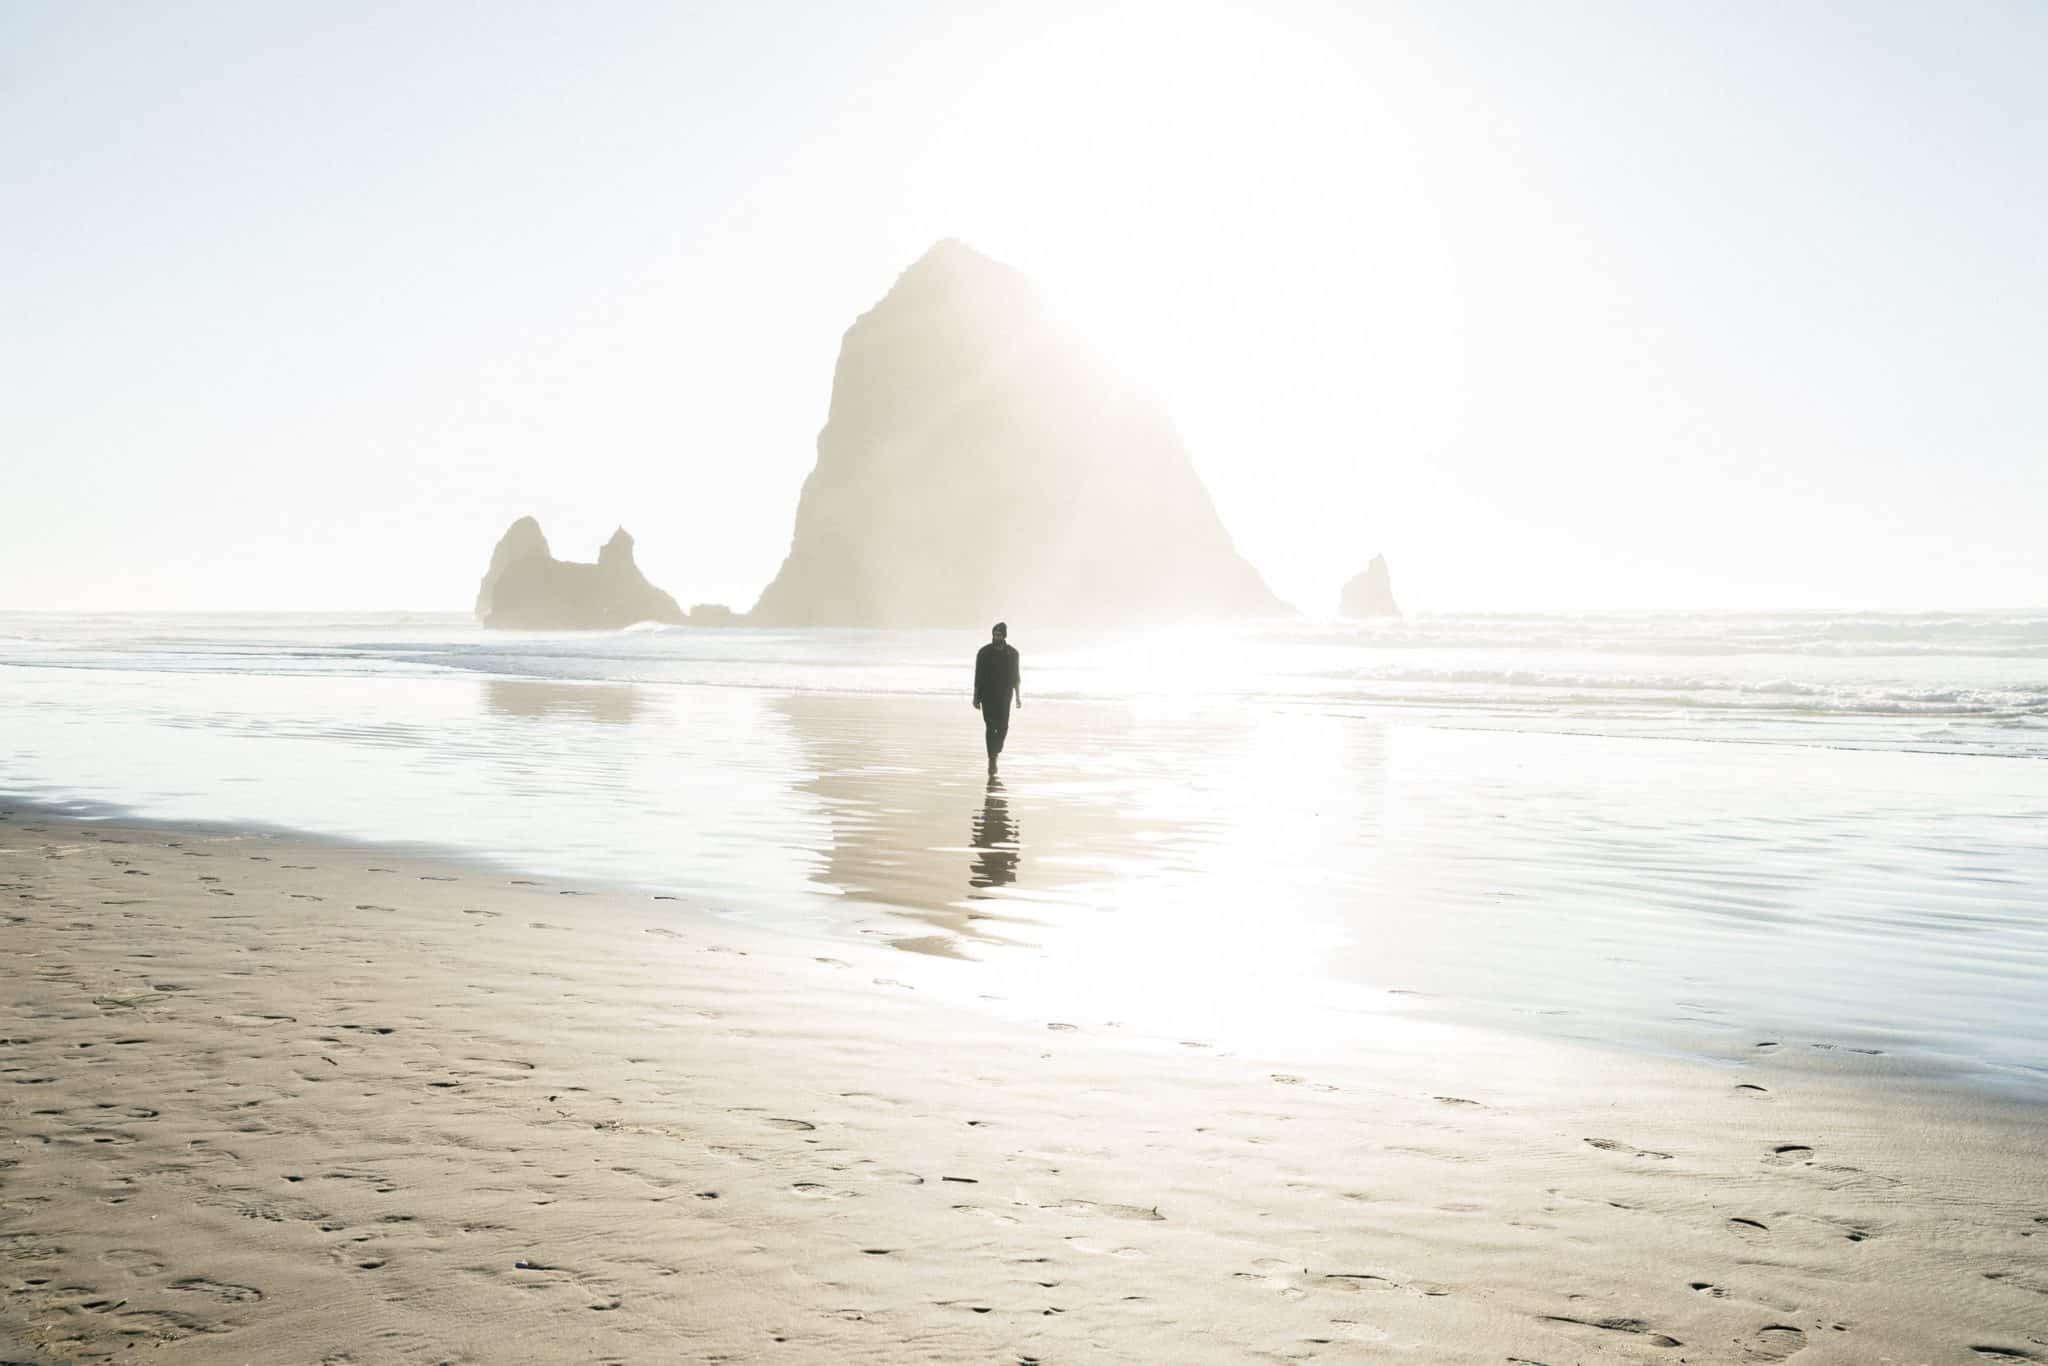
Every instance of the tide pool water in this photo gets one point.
(1696, 832)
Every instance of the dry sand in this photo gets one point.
(273, 1100)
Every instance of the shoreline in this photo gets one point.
(1843, 1051)
(1676, 896)
(430, 1113)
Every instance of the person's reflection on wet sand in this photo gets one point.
(995, 841)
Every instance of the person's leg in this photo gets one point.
(997, 722)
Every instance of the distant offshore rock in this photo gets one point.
(978, 463)
(528, 589)
(1370, 594)
(714, 614)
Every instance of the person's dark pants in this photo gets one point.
(997, 721)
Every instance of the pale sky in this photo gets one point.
(1568, 305)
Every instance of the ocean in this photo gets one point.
(1703, 833)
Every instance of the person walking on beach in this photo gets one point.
(996, 683)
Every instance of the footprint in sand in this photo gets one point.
(1749, 1230)
(1098, 1250)
(979, 1212)
(1632, 1327)
(220, 1290)
(1774, 1343)
(1143, 1213)
(1364, 1280)
(2005, 1353)
(892, 1176)
(1615, 1145)
(1275, 1279)
(133, 1260)
(2018, 1280)
(1788, 1154)
(813, 1190)
(1359, 1280)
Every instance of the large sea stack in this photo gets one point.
(528, 589)
(979, 463)
(1370, 594)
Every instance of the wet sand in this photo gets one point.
(276, 1100)
(1671, 893)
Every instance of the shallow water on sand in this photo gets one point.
(1601, 873)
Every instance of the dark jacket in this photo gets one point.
(995, 674)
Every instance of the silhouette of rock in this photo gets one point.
(1370, 594)
(978, 463)
(713, 614)
(527, 588)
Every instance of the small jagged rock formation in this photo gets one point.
(528, 589)
(713, 614)
(1370, 594)
(978, 463)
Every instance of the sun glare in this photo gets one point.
(1229, 213)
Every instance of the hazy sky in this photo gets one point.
(1561, 305)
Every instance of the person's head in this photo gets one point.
(999, 632)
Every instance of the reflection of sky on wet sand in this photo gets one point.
(1231, 853)
(617, 703)
(901, 783)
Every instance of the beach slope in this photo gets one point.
(277, 1100)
